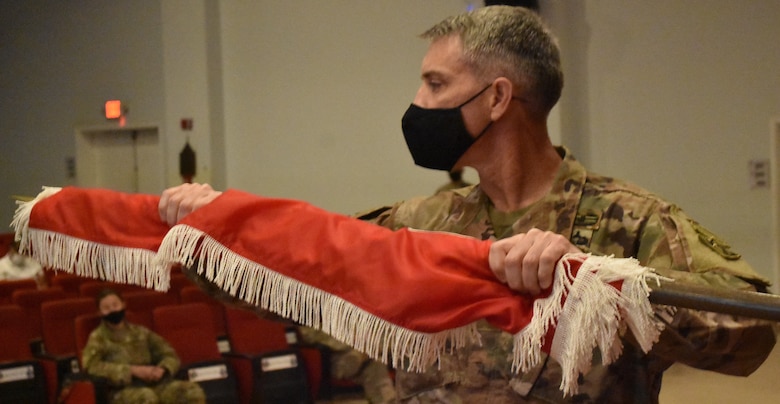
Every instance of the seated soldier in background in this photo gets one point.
(137, 363)
(15, 266)
(352, 365)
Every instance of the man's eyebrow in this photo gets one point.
(432, 74)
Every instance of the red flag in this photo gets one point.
(405, 295)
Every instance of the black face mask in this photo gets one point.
(115, 317)
(437, 138)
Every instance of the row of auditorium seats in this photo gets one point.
(27, 295)
(234, 354)
(74, 285)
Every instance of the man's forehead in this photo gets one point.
(444, 58)
(110, 299)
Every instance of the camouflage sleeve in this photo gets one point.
(94, 361)
(424, 212)
(162, 353)
(382, 216)
(680, 248)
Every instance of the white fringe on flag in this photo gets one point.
(85, 258)
(307, 305)
(591, 316)
(21, 220)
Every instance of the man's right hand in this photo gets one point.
(180, 201)
(526, 262)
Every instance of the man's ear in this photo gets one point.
(502, 96)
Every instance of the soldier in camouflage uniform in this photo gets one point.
(596, 214)
(606, 217)
(137, 363)
(490, 79)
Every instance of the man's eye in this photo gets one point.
(433, 85)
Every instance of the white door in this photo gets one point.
(127, 159)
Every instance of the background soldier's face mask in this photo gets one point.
(437, 137)
(115, 317)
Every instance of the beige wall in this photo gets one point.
(678, 97)
(59, 63)
(314, 97)
(303, 99)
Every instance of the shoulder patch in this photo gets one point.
(714, 242)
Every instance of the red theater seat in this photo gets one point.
(194, 294)
(7, 288)
(68, 282)
(192, 335)
(30, 300)
(83, 327)
(22, 378)
(59, 341)
(93, 288)
(140, 304)
(293, 374)
(178, 282)
(16, 332)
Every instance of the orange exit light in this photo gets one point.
(113, 109)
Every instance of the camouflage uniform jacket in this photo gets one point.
(109, 353)
(603, 216)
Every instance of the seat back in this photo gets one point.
(22, 378)
(16, 331)
(139, 305)
(278, 371)
(188, 330)
(83, 326)
(7, 288)
(92, 288)
(59, 341)
(193, 337)
(57, 322)
(252, 335)
(194, 294)
(178, 282)
(70, 283)
(30, 300)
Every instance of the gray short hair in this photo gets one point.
(512, 42)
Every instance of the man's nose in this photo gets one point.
(420, 98)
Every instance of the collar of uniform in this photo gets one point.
(557, 210)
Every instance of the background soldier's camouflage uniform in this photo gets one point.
(109, 354)
(603, 216)
(347, 363)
